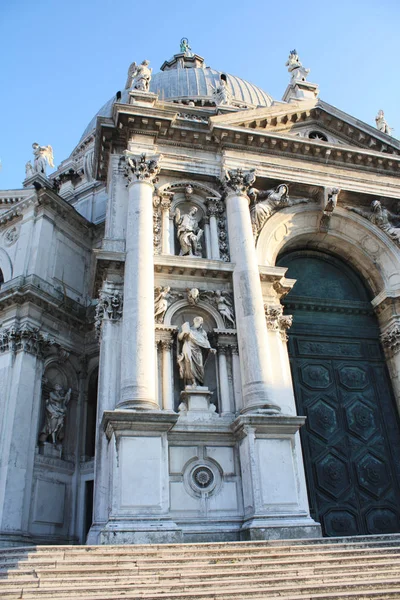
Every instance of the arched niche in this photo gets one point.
(6, 268)
(186, 313)
(56, 374)
(351, 237)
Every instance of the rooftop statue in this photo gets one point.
(185, 48)
(222, 94)
(295, 67)
(195, 346)
(188, 232)
(381, 123)
(139, 76)
(380, 216)
(43, 155)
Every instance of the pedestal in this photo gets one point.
(196, 403)
(274, 487)
(139, 496)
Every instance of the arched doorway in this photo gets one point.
(351, 440)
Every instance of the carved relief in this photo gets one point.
(140, 168)
(275, 199)
(25, 338)
(381, 217)
(109, 307)
(157, 226)
(391, 340)
(277, 321)
(11, 235)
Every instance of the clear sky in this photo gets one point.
(61, 61)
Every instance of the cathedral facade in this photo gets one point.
(199, 320)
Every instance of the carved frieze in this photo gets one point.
(25, 338)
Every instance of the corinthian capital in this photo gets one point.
(239, 181)
(141, 168)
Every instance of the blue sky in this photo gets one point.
(61, 61)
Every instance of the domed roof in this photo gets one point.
(185, 78)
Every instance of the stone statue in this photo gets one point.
(330, 202)
(225, 308)
(295, 67)
(188, 232)
(43, 155)
(29, 169)
(161, 303)
(56, 409)
(222, 94)
(380, 217)
(195, 346)
(139, 76)
(262, 210)
(381, 123)
(185, 48)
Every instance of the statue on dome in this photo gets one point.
(139, 76)
(381, 217)
(194, 348)
(43, 156)
(188, 232)
(185, 48)
(222, 94)
(275, 199)
(295, 67)
(382, 124)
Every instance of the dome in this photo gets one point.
(186, 78)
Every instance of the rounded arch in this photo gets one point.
(202, 308)
(351, 237)
(6, 267)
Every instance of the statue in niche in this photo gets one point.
(380, 216)
(195, 346)
(55, 411)
(275, 199)
(43, 155)
(295, 67)
(188, 232)
(139, 76)
(382, 124)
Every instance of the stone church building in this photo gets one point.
(200, 320)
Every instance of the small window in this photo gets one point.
(317, 135)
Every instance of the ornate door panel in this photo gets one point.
(351, 440)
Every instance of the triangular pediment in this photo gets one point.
(309, 120)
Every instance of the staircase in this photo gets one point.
(330, 568)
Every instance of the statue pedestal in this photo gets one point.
(48, 449)
(196, 403)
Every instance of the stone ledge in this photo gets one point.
(267, 424)
(114, 421)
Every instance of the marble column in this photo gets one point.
(138, 341)
(223, 381)
(167, 381)
(207, 237)
(250, 321)
(166, 200)
(212, 211)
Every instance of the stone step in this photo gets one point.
(258, 590)
(132, 558)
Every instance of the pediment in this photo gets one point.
(312, 120)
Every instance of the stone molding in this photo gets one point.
(141, 168)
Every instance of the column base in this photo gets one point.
(140, 405)
(257, 399)
(279, 529)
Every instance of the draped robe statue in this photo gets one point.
(195, 345)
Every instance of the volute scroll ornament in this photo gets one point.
(141, 168)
